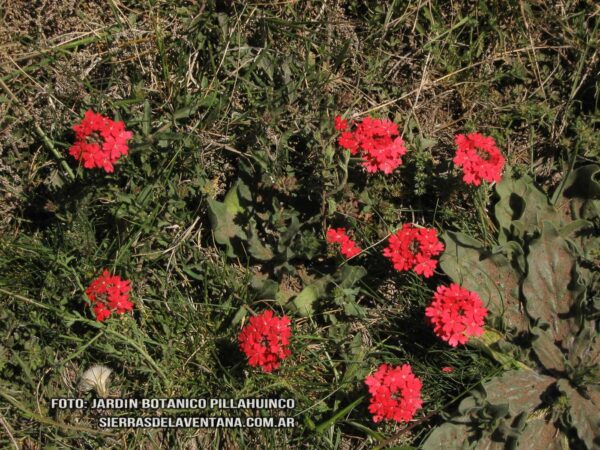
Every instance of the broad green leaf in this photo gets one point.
(547, 287)
(290, 231)
(547, 352)
(520, 389)
(256, 248)
(449, 436)
(239, 315)
(522, 208)
(584, 350)
(574, 227)
(581, 200)
(303, 302)
(486, 443)
(404, 447)
(232, 199)
(583, 183)
(350, 275)
(490, 275)
(584, 412)
(222, 217)
(264, 287)
(223, 224)
(540, 434)
(243, 191)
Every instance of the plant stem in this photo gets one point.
(47, 142)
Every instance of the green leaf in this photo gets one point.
(492, 276)
(239, 315)
(541, 434)
(232, 199)
(223, 225)
(243, 191)
(582, 183)
(338, 415)
(288, 235)
(547, 352)
(486, 443)
(575, 226)
(264, 287)
(449, 436)
(256, 248)
(222, 217)
(147, 118)
(520, 389)
(522, 208)
(350, 275)
(584, 413)
(404, 447)
(581, 195)
(303, 302)
(547, 287)
(488, 343)
(584, 350)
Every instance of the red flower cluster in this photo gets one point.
(479, 158)
(348, 247)
(109, 294)
(413, 248)
(99, 141)
(456, 314)
(340, 124)
(395, 393)
(265, 339)
(378, 141)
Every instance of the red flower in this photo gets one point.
(447, 369)
(265, 339)
(395, 393)
(109, 294)
(348, 247)
(379, 142)
(456, 314)
(413, 248)
(479, 158)
(340, 124)
(99, 141)
(349, 141)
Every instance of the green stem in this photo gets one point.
(47, 142)
(143, 352)
(329, 422)
(45, 420)
(561, 187)
(134, 344)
